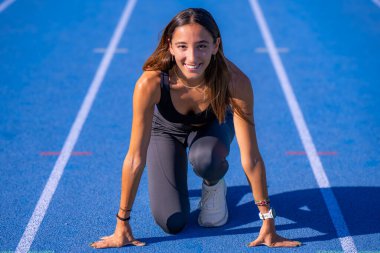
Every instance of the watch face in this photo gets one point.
(268, 215)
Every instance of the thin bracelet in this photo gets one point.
(125, 210)
(123, 219)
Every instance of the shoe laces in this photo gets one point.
(208, 196)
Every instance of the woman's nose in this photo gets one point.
(191, 55)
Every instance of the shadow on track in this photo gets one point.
(360, 207)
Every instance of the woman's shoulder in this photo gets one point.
(150, 78)
(240, 82)
(148, 85)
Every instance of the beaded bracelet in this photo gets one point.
(265, 202)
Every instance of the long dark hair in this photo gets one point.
(217, 75)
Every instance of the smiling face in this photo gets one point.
(192, 47)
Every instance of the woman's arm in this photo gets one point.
(251, 160)
(145, 96)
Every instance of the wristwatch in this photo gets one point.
(269, 215)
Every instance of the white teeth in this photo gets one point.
(192, 66)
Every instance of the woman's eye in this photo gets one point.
(181, 46)
(202, 46)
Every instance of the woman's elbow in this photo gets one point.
(133, 165)
(252, 163)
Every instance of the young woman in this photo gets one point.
(190, 97)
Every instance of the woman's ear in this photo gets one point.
(216, 47)
(170, 47)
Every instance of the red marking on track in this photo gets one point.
(321, 153)
(74, 153)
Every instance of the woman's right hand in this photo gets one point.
(121, 237)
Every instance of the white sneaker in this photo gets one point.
(213, 205)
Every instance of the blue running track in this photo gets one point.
(53, 52)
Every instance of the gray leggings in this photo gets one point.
(167, 166)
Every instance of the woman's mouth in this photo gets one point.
(192, 66)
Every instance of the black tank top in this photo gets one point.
(168, 111)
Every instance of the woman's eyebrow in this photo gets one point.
(184, 43)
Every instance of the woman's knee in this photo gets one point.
(209, 163)
(174, 224)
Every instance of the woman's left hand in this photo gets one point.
(270, 238)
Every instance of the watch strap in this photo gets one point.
(269, 215)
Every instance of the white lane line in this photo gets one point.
(265, 50)
(55, 176)
(5, 4)
(117, 51)
(345, 239)
(377, 2)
